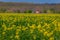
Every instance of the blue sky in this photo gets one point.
(33, 1)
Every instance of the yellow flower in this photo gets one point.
(31, 30)
(39, 26)
(18, 30)
(44, 30)
(17, 33)
(17, 36)
(13, 26)
(34, 37)
(40, 30)
(56, 29)
(48, 25)
(8, 28)
(51, 38)
(19, 27)
(50, 34)
(3, 33)
(11, 36)
(45, 18)
(15, 19)
(45, 33)
(59, 24)
(54, 22)
(24, 28)
(33, 26)
(4, 26)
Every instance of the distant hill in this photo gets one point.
(23, 4)
(30, 6)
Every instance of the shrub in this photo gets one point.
(3, 10)
(28, 11)
(44, 11)
(17, 11)
(51, 11)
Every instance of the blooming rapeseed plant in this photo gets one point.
(4, 27)
(45, 33)
(17, 36)
(29, 27)
(51, 38)
(3, 33)
(33, 26)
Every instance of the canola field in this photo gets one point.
(29, 26)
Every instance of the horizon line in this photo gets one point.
(30, 2)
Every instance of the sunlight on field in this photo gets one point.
(29, 26)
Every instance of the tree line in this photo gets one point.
(4, 10)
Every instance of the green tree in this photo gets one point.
(28, 11)
(44, 11)
(51, 11)
(17, 11)
(3, 10)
